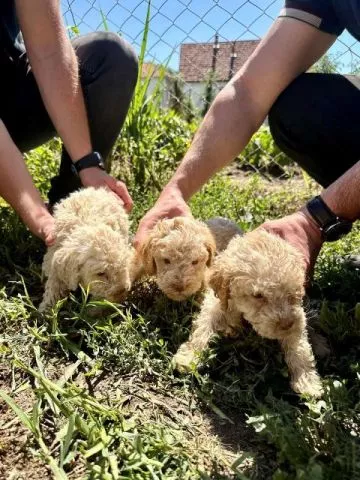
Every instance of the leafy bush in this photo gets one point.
(43, 164)
(147, 158)
(262, 154)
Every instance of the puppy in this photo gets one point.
(259, 278)
(178, 252)
(91, 249)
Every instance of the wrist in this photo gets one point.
(329, 198)
(172, 190)
(310, 226)
(179, 187)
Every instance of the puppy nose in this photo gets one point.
(286, 323)
(178, 287)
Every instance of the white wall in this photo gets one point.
(165, 85)
(196, 90)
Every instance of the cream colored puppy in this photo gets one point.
(178, 252)
(91, 249)
(259, 278)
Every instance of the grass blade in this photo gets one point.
(24, 417)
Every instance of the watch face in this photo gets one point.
(336, 231)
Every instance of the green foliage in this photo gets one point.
(43, 164)
(181, 103)
(150, 154)
(209, 93)
(177, 95)
(263, 155)
(105, 402)
(327, 64)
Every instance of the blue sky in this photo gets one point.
(177, 21)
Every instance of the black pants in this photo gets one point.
(108, 73)
(316, 121)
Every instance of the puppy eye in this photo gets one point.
(101, 274)
(295, 299)
(258, 295)
(167, 261)
(195, 262)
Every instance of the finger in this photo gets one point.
(50, 239)
(122, 192)
(119, 188)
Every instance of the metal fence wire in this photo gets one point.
(199, 43)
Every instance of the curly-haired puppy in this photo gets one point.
(223, 230)
(178, 252)
(259, 278)
(91, 249)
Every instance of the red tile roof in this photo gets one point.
(196, 59)
(150, 69)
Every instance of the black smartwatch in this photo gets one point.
(94, 159)
(331, 226)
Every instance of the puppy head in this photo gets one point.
(96, 258)
(179, 251)
(261, 277)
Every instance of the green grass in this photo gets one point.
(97, 397)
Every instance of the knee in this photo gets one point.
(112, 55)
(118, 54)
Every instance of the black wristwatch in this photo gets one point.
(94, 159)
(331, 226)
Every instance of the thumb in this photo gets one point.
(140, 235)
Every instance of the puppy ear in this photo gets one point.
(221, 287)
(147, 257)
(66, 265)
(211, 248)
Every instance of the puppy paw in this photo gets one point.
(308, 383)
(230, 332)
(42, 307)
(183, 359)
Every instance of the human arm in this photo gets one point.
(56, 71)
(17, 188)
(289, 48)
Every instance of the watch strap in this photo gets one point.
(331, 226)
(320, 212)
(93, 159)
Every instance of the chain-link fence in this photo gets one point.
(199, 44)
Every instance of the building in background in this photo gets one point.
(160, 77)
(218, 60)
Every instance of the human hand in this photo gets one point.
(170, 204)
(43, 226)
(302, 233)
(95, 177)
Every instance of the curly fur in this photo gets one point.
(259, 278)
(178, 252)
(223, 230)
(91, 249)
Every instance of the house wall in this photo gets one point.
(196, 90)
(166, 89)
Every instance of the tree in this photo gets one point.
(177, 95)
(328, 63)
(209, 93)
